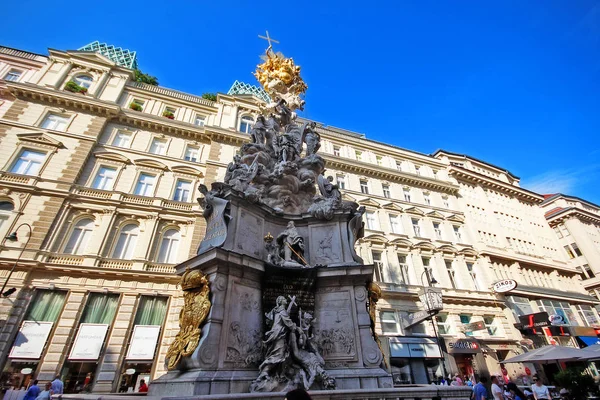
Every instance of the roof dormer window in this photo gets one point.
(83, 81)
(13, 75)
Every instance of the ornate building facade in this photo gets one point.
(104, 171)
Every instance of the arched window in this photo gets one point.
(80, 236)
(169, 245)
(6, 208)
(83, 80)
(126, 242)
(246, 124)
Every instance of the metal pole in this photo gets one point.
(14, 234)
(435, 332)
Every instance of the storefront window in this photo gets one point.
(558, 308)
(588, 315)
(149, 319)
(519, 305)
(401, 373)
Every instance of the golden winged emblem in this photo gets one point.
(195, 309)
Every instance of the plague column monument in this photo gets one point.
(276, 298)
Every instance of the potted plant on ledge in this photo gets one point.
(168, 114)
(135, 106)
(75, 88)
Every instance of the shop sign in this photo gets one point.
(431, 298)
(31, 339)
(475, 326)
(504, 286)
(557, 331)
(582, 331)
(537, 320)
(464, 346)
(556, 319)
(416, 317)
(414, 348)
(26, 371)
(143, 342)
(88, 342)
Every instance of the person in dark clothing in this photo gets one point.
(33, 391)
(515, 391)
(298, 394)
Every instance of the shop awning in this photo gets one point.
(412, 347)
(588, 340)
(551, 354)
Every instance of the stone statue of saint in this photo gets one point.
(291, 245)
(312, 139)
(259, 131)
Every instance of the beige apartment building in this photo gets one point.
(105, 171)
(576, 223)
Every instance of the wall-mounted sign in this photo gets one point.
(26, 371)
(463, 346)
(416, 318)
(537, 320)
(31, 339)
(143, 342)
(405, 347)
(475, 326)
(88, 342)
(431, 299)
(556, 319)
(557, 331)
(504, 286)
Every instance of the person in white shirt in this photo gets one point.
(540, 391)
(496, 390)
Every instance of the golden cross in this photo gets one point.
(268, 39)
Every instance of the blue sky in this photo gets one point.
(511, 82)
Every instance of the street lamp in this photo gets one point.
(431, 281)
(13, 238)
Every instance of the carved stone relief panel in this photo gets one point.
(325, 244)
(335, 326)
(249, 234)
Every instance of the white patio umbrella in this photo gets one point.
(548, 354)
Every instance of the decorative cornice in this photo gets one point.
(569, 212)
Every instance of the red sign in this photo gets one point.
(527, 371)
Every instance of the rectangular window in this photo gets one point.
(122, 139)
(192, 153)
(437, 230)
(444, 326)
(13, 75)
(395, 224)
(386, 191)
(558, 232)
(575, 248)
(341, 181)
(416, 227)
(407, 195)
(457, 233)
(428, 271)
(359, 155)
(446, 202)
(418, 170)
(379, 160)
(427, 199)
(364, 186)
(519, 305)
(183, 190)
(151, 310)
(145, 185)
(473, 274)
(466, 319)
(403, 269)
(588, 271)
(199, 120)
(372, 221)
(569, 252)
(389, 322)
(105, 178)
(451, 273)
(564, 230)
(29, 162)
(588, 315)
(55, 122)
(399, 165)
(139, 103)
(490, 325)
(158, 146)
(336, 151)
(45, 306)
(100, 308)
(378, 261)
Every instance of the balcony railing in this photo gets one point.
(116, 264)
(64, 259)
(162, 268)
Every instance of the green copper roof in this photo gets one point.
(122, 57)
(245, 88)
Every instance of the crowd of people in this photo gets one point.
(501, 390)
(38, 392)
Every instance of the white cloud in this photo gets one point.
(561, 181)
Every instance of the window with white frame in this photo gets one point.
(126, 242)
(426, 261)
(183, 189)
(446, 202)
(55, 122)
(379, 160)
(438, 230)
(406, 192)
(569, 251)
(466, 319)
(359, 155)
(575, 248)
(341, 181)
(378, 261)
(80, 236)
(443, 324)
(427, 198)
(457, 233)
(389, 322)
(337, 151)
(588, 314)
(199, 120)
(473, 275)
(6, 208)
(246, 124)
(490, 324)
(29, 162)
(83, 81)
(395, 224)
(158, 146)
(404, 279)
(169, 245)
(451, 273)
(564, 230)
(364, 186)
(519, 305)
(138, 104)
(372, 222)
(122, 139)
(417, 170)
(145, 185)
(586, 272)
(416, 227)
(192, 153)
(386, 191)
(105, 178)
(558, 232)
(13, 75)
(561, 308)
